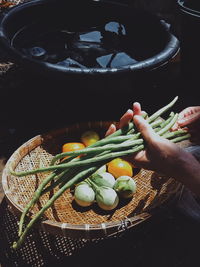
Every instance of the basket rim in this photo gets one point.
(68, 229)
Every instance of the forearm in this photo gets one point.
(187, 171)
(163, 156)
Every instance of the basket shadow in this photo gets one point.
(52, 208)
(136, 171)
(140, 207)
(157, 181)
(122, 203)
(79, 208)
(165, 190)
(98, 211)
(53, 145)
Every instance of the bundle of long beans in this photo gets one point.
(72, 170)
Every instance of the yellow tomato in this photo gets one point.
(89, 138)
(72, 147)
(119, 167)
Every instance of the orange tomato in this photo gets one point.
(119, 167)
(67, 147)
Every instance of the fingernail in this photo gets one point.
(182, 121)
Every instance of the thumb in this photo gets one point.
(144, 128)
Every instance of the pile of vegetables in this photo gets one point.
(72, 169)
(104, 189)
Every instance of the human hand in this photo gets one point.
(126, 118)
(190, 118)
(160, 155)
(165, 157)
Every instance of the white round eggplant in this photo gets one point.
(107, 198)
(84, 195)
(103, 179)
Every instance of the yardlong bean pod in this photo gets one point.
(173, 134)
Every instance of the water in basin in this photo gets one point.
(107, 45)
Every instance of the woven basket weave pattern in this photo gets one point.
(152, 189)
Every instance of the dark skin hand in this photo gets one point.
(160, 154)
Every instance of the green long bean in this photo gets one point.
(34, 199)
(180, 138)
(162, 110)
(169, 125)
(93, 150)
(173, 134)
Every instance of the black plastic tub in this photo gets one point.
(73, 78)
(189, 39)
(131, 39)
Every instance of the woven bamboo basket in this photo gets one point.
(65, 217)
